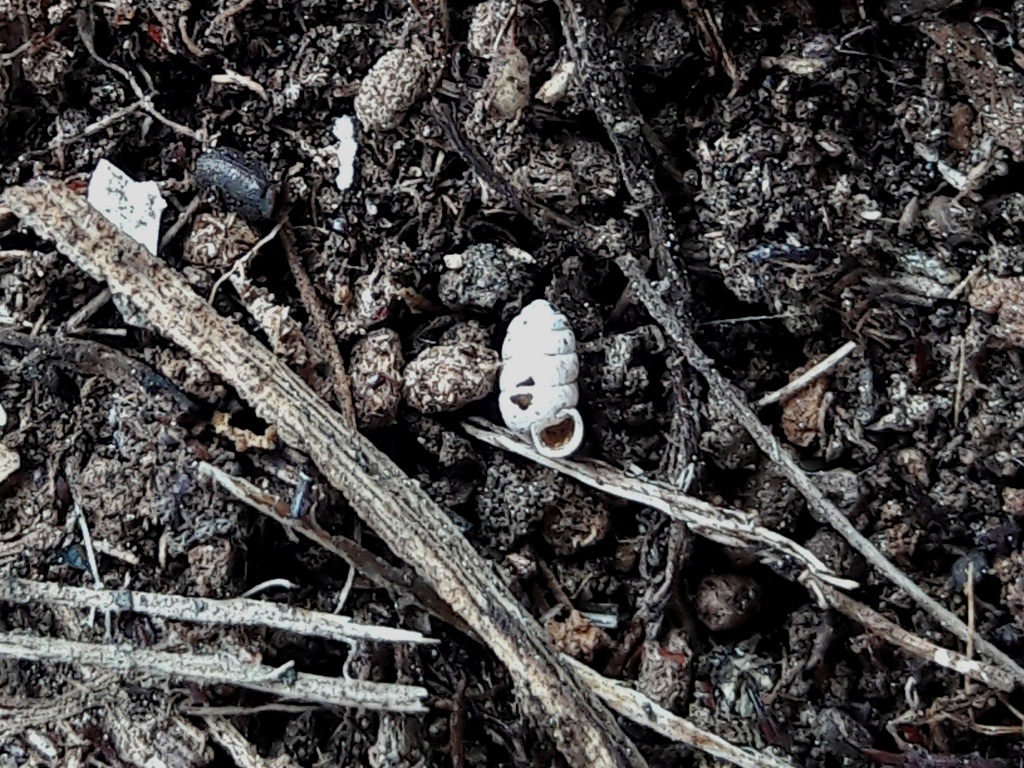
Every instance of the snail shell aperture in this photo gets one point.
(538, 391)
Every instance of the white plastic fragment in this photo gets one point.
(344, 131)
(132, 206)
(538, 390)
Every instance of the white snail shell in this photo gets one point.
(538, 391)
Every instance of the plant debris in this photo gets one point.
(786, 239)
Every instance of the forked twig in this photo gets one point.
(324, 340)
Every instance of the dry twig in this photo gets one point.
(381, 573)
(93, 358)
(640, 709)
(731, 527)
(876, 623)
(325, 342)
(812, 374)
(218, 669)
(601, 72)
(397, 508)
(237, 611)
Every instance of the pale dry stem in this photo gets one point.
(201, 610)
(217, 669)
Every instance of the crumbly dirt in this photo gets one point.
(838, 171)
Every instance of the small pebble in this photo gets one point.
(450, 376)
(394, 83)
(727, 601)
(377, 378)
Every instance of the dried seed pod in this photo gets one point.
(396, 82)
(538, 380)
(449, 376)
(376, 371)
(242, 182)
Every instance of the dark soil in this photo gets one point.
(836, 171)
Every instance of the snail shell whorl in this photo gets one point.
(538, 390)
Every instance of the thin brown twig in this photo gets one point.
(969, 593)
(93, 358)
(326, 343)
(960, 370)
(812, 374)
(457, 725)
(57, 142)
(876, 623)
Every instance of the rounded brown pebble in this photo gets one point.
(449, 376)
(727, 601)
(394, 83)
(376, 372)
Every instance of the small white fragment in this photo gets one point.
(538, 391)
(132, 206)
(344, 131)
(9, 462)
(3, 418)
(557, 86)
(454, 260)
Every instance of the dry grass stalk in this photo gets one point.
(812, 374)
(640, 709)
(235, 612)
(731, 527)
(218, 669)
